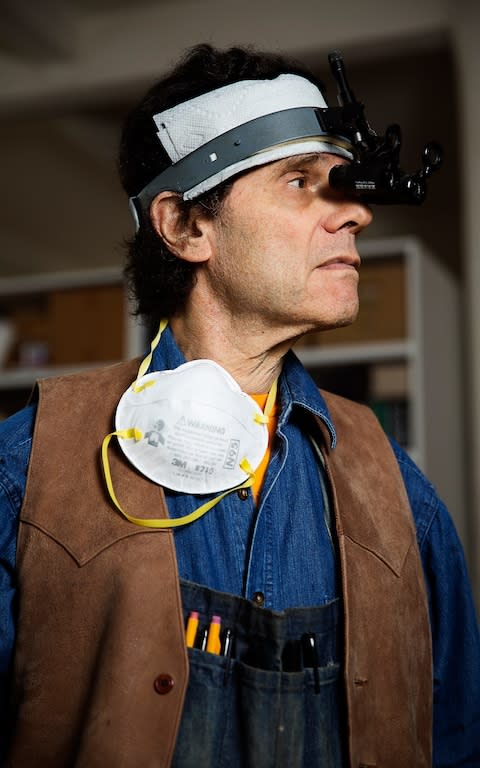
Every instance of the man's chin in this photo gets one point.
(342, 322)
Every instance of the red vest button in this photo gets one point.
(163, 684)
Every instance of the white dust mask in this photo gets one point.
(195, 430)
(192, 430)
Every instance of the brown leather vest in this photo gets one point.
(101, 666)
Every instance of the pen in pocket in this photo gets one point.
(227, 643)
(311, 657)
(227, 652)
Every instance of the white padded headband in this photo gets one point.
(190, 125)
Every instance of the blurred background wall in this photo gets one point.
(70, 69)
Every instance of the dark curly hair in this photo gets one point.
(159, 281)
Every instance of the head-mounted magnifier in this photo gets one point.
(211, 138)
(374, 175)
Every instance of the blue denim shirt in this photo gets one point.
(283, 549)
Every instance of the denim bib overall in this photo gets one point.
(273, 699)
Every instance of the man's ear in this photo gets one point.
(188, 237)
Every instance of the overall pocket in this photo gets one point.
(238, 716)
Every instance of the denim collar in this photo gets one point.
(296, 387)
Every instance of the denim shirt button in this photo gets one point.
(258, 598)
(242, 494)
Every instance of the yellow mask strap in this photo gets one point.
(264, 417)
(144, 365)
(136, 434)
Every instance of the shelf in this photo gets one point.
(395, 350)
(23, 378)
(52, 281)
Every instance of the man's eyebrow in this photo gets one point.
(296, 162)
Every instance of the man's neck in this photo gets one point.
(253, 358)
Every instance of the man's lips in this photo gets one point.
(341, 262)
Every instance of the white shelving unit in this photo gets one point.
(14, 290)
(429, 348)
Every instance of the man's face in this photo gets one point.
(285, 253)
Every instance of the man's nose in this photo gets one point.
(348, 214)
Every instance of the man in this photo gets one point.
(317, 584)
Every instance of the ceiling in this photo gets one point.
(27, 31)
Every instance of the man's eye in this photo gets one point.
(298, 182)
